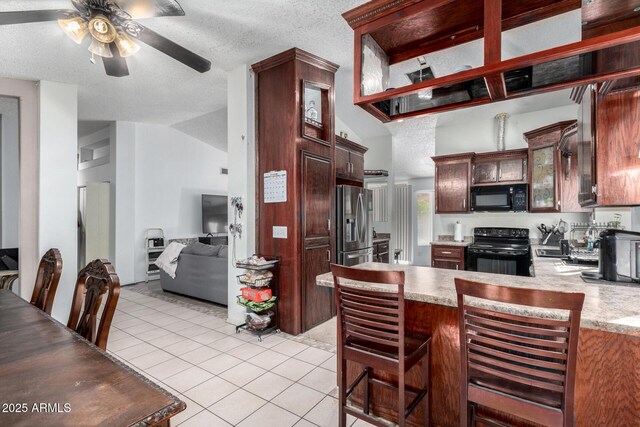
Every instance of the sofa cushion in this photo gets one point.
(201, 249)
(224, 249)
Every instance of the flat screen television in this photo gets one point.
(214, 214)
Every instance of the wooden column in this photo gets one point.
(493, 47)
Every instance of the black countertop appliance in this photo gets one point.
(620, 255)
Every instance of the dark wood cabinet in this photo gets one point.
(381, 252)
(618, 149)
(292, 136)
(500, 167)
(452, 183)
(448, 257)
(553, 168)
(349, 160)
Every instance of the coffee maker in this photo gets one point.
(620, 255)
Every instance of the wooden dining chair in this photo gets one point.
(47, 278)
(94, 281)
(519, 365)
(371, 333)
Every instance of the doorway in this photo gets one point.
(9, 192)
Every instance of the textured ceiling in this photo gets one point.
(161, 90)
(231, 33)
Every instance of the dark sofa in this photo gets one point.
(201, 273)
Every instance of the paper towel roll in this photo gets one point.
(458, 234)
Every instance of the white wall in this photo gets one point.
(444, 223)
(479, 135)
(123, 196)
(10, 172)
(172, 171)
(241, 149)
(341, 126)
(58, 185)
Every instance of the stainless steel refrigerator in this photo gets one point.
(355, 232)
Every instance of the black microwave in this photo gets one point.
(500, 198)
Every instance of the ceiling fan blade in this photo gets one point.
(116, 66)
(27, 16)
(139, 9)
(173, 49)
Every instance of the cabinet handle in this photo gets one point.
(446, 252)
(350, 167)
(464, 204)
(329, 255)
(457, 267)
(329, 224)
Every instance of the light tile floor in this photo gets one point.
(226, 379)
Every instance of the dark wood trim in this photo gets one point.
(493, 33)
(453, 158)
(560, 126)
(350, 145)
(294, 54)
(496, 86)
(571, 49)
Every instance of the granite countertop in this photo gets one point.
(607, 307)
(451, 243)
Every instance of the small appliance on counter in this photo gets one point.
(620, 255)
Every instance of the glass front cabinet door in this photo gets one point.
(544, 186)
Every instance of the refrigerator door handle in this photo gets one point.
(362, 220)
(358, 218)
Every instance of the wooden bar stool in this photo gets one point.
(371, 333)
(523, 366)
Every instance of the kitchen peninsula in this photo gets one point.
(607, 380)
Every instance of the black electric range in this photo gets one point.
(500, 251)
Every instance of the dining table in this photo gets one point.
(51, 376)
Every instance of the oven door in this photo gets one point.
(494, 198)
(493, 261)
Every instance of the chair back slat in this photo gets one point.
(490, 331)
(478, 349)
(370, 320)
(505, 351)
(47, 279)
(95, 281)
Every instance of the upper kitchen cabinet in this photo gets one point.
(500, 167)
(452, 182)
(553, 168)
(609, 148)
(349, 160)
(395, 39)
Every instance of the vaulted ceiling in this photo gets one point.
(232, 33)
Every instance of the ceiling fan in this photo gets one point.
(113, 29)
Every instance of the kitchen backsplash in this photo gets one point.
(443, 224)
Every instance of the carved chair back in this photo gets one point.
(95, 281)
(47, 278)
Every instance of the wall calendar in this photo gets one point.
(275, 187)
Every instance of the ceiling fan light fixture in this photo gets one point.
(101, 49)
(126, 46)
(102, 29)
(75, 28)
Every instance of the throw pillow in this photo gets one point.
(223, 252)
(201, 249)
